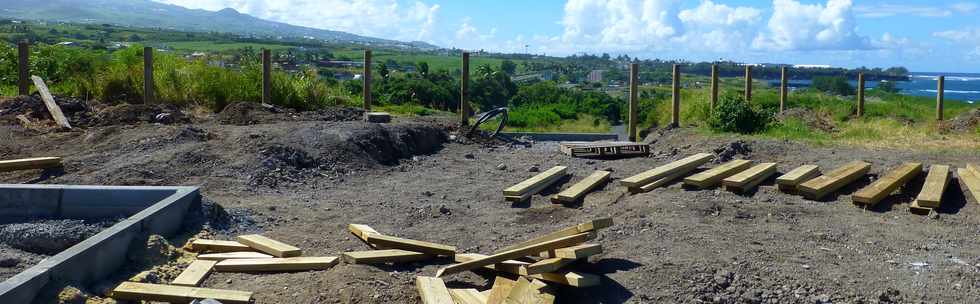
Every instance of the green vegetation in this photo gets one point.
(833, 85)
(734, 114)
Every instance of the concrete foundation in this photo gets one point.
(150, 210)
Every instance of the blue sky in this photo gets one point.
(918, 34)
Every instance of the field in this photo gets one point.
(436, 62)
(211, 46)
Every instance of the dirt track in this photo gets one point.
(303, 181)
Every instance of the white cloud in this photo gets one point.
(718, 27)
(392, 19)
(965, 7)
(619, 24)
(967, 36)
(797, 26)
(889, 9)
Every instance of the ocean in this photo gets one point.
(959, 86)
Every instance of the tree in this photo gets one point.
(383, 70)
(888, 87)
(508, 67)
(484, 70)
(422, 68)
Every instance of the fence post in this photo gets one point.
(860, 110)
(267, 76)
(748, 83)
(367, 78)
(633, 117)
(23, 52)
(783, 92)
(675, 117)
(464, 88)
(714, 86)
(148, 93)
(939, 97)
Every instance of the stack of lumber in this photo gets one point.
(249, 253)
(660, 176)
(539, 265)
(390, 250)
(523, 191)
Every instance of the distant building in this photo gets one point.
(339, 64)
(812, 66)
(596, 75)
(68, 43)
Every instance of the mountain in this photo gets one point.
(149, 14)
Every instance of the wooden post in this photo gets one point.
(939, 97)
(23, 52)
(860, 109)
(366, 78)
(634, 103)
(266, 77)
(783, 92)
(675, 117)
(148, 93)
(714, 86)
(748, 83)
(464, 89)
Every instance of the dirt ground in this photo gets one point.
(303, 180)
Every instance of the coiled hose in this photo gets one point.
(502, 112)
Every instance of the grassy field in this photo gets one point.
(436, 62)
(213, 46)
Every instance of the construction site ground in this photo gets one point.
(301, 178)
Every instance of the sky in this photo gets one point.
(922, 35)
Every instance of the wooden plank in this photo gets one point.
(384, 256)
(914, 208)
(792, 179)
(500, 290)
(411, 245)
(712, 177)
(547, 265)
(545, 177)
(195, 273)
(233, 255)
(200, 245)
(29, 163)
(527, 195)
(530, 292)
(433, 290)
(748, 179)
(834, 180)
(894, 179)
(973, 168)
(972, 182)
(592, 225)
(564, 277)
(468, 296)
(684, 165)
(133, 291)
(361, 231)
(583, 187)
(517, 253)
(574, 252)
(49, 103)
(270, 246)
(931, 195)
(276, 264)
(658, 183)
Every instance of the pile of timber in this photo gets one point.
(524, 190)
(249, 253)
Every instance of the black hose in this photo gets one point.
(502, 112)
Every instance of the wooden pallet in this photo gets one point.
(604, 149)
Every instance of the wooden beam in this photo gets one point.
(748, 83)
(468, 296)
(941, 84)
(133, 291)
(49, 103)
(577, 191)
(574, 252)
(546, 177)
(148, 92)
(564, 277)
(464, 90)
(500, 290)
(384, 256)
(931, 195)
(411, 245)
(877, 191)
(634, 103)
(517, 253)
(714, 87)
(530, 292)
(684, 165)
(366, 81)
(201, 245)
(276, 264)
(270, 246)
(972, 182)
(860, 95)
(712, 177)
(593, 225)
(914, 208)
(23, 68)
(819, 187)
(30, 163)
(783, 90)
(527, 195)
(789, 181)
(233, 255)
(433, 290)
(195, 273)
(547, 265)
(675, 108)
(362, 231)
(657, 184)
(748, 179)
(973, 168)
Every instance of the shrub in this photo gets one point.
(734, 114)
(833, 85)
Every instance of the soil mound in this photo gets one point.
(812, 119)
(968, 121)
(251, 113)
(78, 112)
(124, 114)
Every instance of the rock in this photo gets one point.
(533, 169)
(9, 262)
(933, 214)
(445, 210)
(723, 278)
(469, 156)
(822, 299)
(428, 193)
(72, 295)
(272, 208)
(729, 151)
(501, 167)
(206, 301)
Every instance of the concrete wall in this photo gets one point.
(153, 210)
